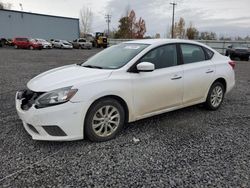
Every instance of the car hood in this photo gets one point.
(45, 43)
(66, 76)
(241, 48)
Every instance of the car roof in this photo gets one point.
(158, 42)
(21, 37)
(162, 41)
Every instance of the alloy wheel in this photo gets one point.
(106, 120)
(216, 96)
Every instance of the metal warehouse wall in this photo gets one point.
(16, 23)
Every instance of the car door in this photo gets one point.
(56, 44)
(198, 72)
(25, 43)
(162, 88)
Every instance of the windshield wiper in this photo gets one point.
(93, 66)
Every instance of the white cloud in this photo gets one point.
(227, 17)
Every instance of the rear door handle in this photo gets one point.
(176, 78)
(209, 71)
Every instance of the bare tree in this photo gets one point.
(86, 18)
(5, 5)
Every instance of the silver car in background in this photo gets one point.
(63, 44)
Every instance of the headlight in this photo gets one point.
(55, 97)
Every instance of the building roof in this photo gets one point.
(38, 14)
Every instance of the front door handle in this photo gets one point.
(176, 78)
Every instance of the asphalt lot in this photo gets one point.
(191, 147)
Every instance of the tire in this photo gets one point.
(99, 130)
(215, 96)
(15, 46)
(246, 59)
(31, 48)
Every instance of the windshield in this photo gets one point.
(41, 40)
(65, 42)
(115, 57)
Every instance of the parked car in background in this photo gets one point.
(63, 44)
(124, 83)
(28, 43)
(241, 51)
(46, 44)
(7, 42)
(81, 43)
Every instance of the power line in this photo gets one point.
(173, 4)
(108, 20)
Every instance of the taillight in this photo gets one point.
(232, 64)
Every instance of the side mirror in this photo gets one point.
(145, 67)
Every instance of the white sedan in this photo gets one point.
(45, 44)
(63, 44)
(124, 83)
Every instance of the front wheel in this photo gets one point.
(31, 48)
(215, 96)
(104, 120)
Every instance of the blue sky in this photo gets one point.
(225, 17)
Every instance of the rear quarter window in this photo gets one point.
(209, 53)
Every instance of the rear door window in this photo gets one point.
(192, 53)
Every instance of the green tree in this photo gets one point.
(191, 32)
(123, 28)
(130, 28)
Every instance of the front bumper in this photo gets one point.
(67, 47)
(68, 117)
(47, 46)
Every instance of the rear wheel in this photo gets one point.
(104, 120)
(215, 96)
(245, 59)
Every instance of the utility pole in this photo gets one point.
(173, 4)
(108, 20)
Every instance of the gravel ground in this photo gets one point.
(191, 147)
